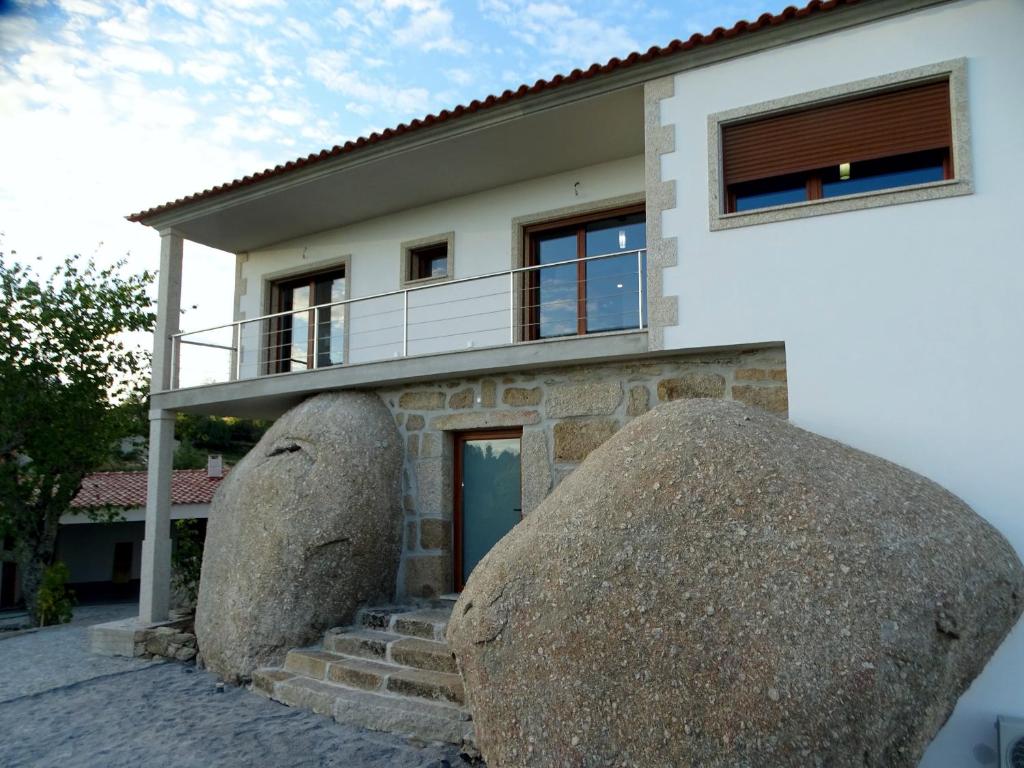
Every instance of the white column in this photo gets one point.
(168, 309)
(155, 589)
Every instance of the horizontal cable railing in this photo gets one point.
(600, 293)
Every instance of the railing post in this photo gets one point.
(238, 351)
(511, 307)
(316, 337)
(175, 360)
(640, 289)
(405, 323)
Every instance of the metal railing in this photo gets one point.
(600, 293)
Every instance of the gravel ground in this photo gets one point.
(60, 705)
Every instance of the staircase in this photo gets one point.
(390, 671)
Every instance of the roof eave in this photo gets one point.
(743, 39)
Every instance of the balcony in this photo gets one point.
(594, 295)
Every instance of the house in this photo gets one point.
(815, 212)
(104, 558)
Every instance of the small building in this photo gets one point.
(105, 558)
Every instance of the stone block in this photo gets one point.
(483, 420)
(536, 469)
(596, 398)
(574, 440)
(432, 486)
(488, 393)
(520, 396)
(461, 399)
(422, 400)
(430, 446)
(435, 533)
(691, 385)
(428, 575)
(761, 374)
(415, 422)
(771, 399)
(412, 446)
(639, 401)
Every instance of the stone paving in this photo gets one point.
(61, 705)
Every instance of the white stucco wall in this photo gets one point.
(903, 325)
(444, 318)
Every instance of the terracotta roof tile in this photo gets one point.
(128, 489)
(655, 52)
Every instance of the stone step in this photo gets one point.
(358, 641)
(429, 623)
(372, 675)
(387, 646)
(376, 710)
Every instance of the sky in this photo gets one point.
(108, 107)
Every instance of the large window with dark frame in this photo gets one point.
(572, 294)
(895, 138)
(307, 335)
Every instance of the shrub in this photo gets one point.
(187, 558)
(54, 600)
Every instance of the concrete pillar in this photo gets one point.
(168, 310)
(155, 590)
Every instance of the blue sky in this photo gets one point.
(111, 106)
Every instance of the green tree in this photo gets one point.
(65, 366)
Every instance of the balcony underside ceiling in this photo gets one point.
(606, 127)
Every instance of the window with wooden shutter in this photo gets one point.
(882, 140)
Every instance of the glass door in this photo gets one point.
(488, 503)
(292, 343)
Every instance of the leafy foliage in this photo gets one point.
(231, 437)
(65, 364)
(54, 600)
(187, 558)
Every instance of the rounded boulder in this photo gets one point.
(714, 586)
(302, 531)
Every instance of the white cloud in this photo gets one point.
(137, 58)
(258, 94)
(459, 76)
(83, 7)
(561, 34)
(334, 70)
(132, 26)
(186, 8)
(211, 67)
(286, 116)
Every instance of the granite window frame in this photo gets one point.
(962, 183)
(409, 247)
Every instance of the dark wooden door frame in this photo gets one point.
(459, 439)
(577, 224)
(277, 329)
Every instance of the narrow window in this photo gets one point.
(428, 261)
(886, 140)
(311, 331)
(587, 278)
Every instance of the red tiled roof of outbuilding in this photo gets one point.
(128, 489)
(696, 40)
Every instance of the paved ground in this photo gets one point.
(61, 705)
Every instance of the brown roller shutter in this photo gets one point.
(866, 128)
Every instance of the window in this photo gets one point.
(307, 331)
(428, 261)
(862, 143)
(579, 294)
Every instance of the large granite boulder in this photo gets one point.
(302, 531)
(716, 587)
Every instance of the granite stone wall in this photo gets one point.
(564, 413)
